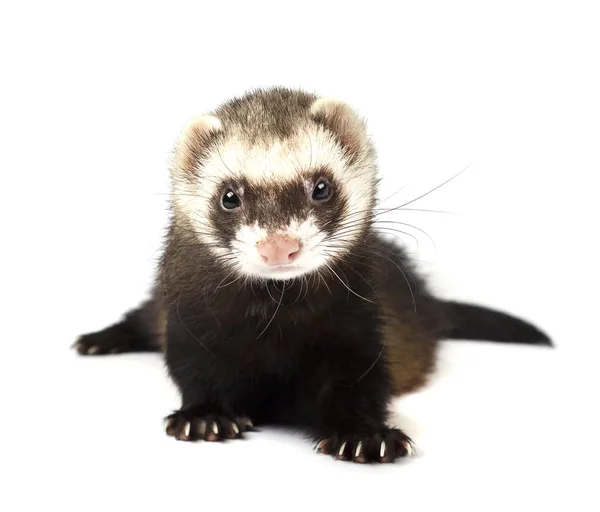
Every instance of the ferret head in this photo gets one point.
(276, 183)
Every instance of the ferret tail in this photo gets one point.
(470, 322)
(139, 330)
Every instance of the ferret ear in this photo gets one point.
(341, 119)
(202, 126)
(194, 140)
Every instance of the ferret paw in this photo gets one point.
(384, 446)
(190, 425)
(99, 344)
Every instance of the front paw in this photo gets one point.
(384, 446)
(193, 425)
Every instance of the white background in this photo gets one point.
(92, 99)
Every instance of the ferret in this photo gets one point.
(276, 301)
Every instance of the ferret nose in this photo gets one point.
(281, 251)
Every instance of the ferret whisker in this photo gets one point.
(231, 282)
(374, 213)
(269, 292)
(370, 367)
(404, 274)
(349, 231)
(323, 280)
(381, 211)
(435, 188)
(392, 195)
(301, 289)
(349, 265)
(188, 329)
(410, 226)
(274, 313)
(396, 234)
(307, 287)
(349, 289)
(425, 210)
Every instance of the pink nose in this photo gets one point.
(278, 251)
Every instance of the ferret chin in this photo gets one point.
(276, 301)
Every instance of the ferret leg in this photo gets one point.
(210, 394)
(138, 331)
(348, 411)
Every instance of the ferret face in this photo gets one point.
(273, 205)
(278, 221)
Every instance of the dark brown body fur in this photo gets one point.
(409, 320)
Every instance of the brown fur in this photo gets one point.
(161, 327)
(410, 356)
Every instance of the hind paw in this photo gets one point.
(383, 447)
(191, 425)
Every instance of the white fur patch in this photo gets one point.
(275, 160)
(310, 256)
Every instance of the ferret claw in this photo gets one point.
(358, 449)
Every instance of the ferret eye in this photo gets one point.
(231, 200)
(322, 191)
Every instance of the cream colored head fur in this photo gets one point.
(265, 140)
